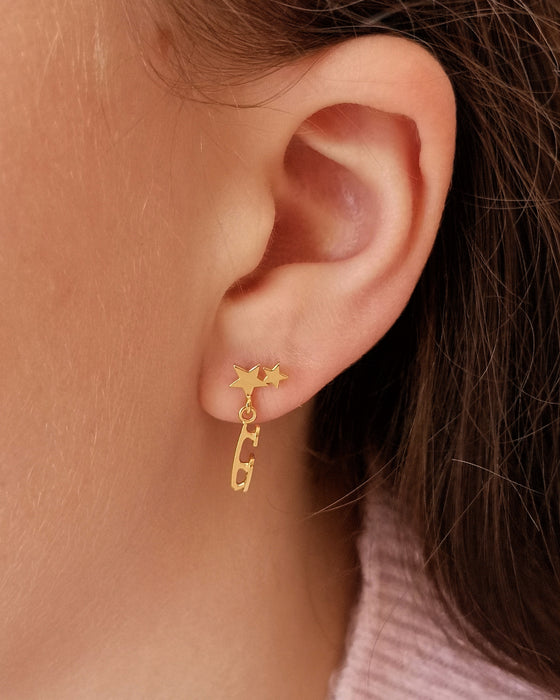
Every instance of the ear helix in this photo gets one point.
(249, 380)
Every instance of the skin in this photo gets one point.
(127, 566)
(130, 220)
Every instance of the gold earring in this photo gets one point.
(249, 380)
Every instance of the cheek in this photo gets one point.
(103, 306)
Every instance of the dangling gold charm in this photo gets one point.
(249, 380)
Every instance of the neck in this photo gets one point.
(219, 594)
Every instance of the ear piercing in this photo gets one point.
(249, 380)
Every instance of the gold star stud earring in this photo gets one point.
(249, 380)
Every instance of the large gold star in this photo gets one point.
(247, 380)
(274, 375)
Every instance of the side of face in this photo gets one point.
(114, 195)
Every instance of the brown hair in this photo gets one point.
(461, 400)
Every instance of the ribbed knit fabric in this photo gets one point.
(398, 647)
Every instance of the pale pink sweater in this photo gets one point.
(400, 647)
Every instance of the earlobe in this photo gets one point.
(359, 190)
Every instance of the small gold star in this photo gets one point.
(247, 380)
(274, 375)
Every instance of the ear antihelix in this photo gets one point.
(248, 381)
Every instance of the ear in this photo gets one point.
(359, 168)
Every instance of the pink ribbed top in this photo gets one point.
(400, 647)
